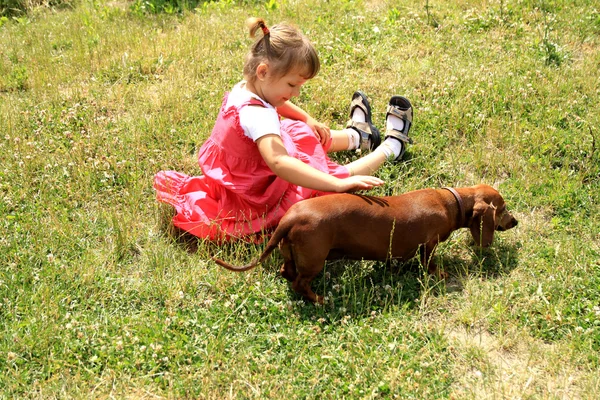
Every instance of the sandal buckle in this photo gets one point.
(365, 141)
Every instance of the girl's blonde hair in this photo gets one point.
(283, 47)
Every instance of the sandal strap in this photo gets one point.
(364, 131)
(400, 135)
(358, 102)
(361, 126)
(405, 115)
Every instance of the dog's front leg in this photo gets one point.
(427, 260)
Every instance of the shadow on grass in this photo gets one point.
(484, 263)
(359, 288)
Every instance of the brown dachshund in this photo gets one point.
(360, 227)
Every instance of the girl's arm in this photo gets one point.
(291, 111)
(295, 171)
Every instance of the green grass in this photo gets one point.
(100, 297)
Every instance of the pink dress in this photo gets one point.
(238, 196)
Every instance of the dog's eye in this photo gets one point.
(500, 212)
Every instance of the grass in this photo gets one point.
(100, 297)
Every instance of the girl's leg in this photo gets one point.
(368, 164)
(341, 140)
(391, 148)
(348, 139)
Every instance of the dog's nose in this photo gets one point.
(511, 224)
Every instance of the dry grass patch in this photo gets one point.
(512, 366)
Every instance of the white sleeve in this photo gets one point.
(259, 121)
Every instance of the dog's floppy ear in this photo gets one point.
(483, 223)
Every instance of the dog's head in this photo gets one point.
(489, 215)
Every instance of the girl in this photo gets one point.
(256, 166)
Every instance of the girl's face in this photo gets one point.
(276, 90)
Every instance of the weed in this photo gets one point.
(15, 80)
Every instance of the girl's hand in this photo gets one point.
(298, 173)
(321, 130)
(358, 182)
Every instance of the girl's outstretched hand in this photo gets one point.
(358, 182)
(321, 130)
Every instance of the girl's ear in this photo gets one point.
(261, 71)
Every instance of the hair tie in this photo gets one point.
(264, 29)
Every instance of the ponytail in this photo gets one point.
(255, 23)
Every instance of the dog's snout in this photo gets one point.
(511, 223)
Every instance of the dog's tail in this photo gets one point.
(279, 234)
(237, 268)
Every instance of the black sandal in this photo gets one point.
(370, 137)
(400, 107)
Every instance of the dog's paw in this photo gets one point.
(437, 273)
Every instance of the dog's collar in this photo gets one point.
(461, 206)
